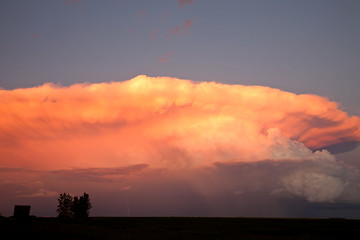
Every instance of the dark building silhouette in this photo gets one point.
(22, 211)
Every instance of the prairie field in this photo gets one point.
(178, 228)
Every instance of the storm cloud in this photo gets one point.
(201, 144)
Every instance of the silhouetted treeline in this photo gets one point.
(69, 207)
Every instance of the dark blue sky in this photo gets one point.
(298, 46)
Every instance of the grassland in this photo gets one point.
(178, 228)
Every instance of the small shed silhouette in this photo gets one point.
(22, 211)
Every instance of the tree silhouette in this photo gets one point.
(64, 208)
(82, 206)
(78, 207)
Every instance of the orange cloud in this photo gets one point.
(164, 122)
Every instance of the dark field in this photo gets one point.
(178, 228)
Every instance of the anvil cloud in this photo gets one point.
(182, 126)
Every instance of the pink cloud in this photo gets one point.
(185, 2)
(177, 30)
(165, 58)
(165, 15)
(142, 13)
(174, 31)
(129, 30)
(34, 35)
(187, 23)
(71, 2)
(154, 33)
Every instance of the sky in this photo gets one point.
(181, 107)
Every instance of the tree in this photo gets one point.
(78, 207)
(82, 206)
(64, 208)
